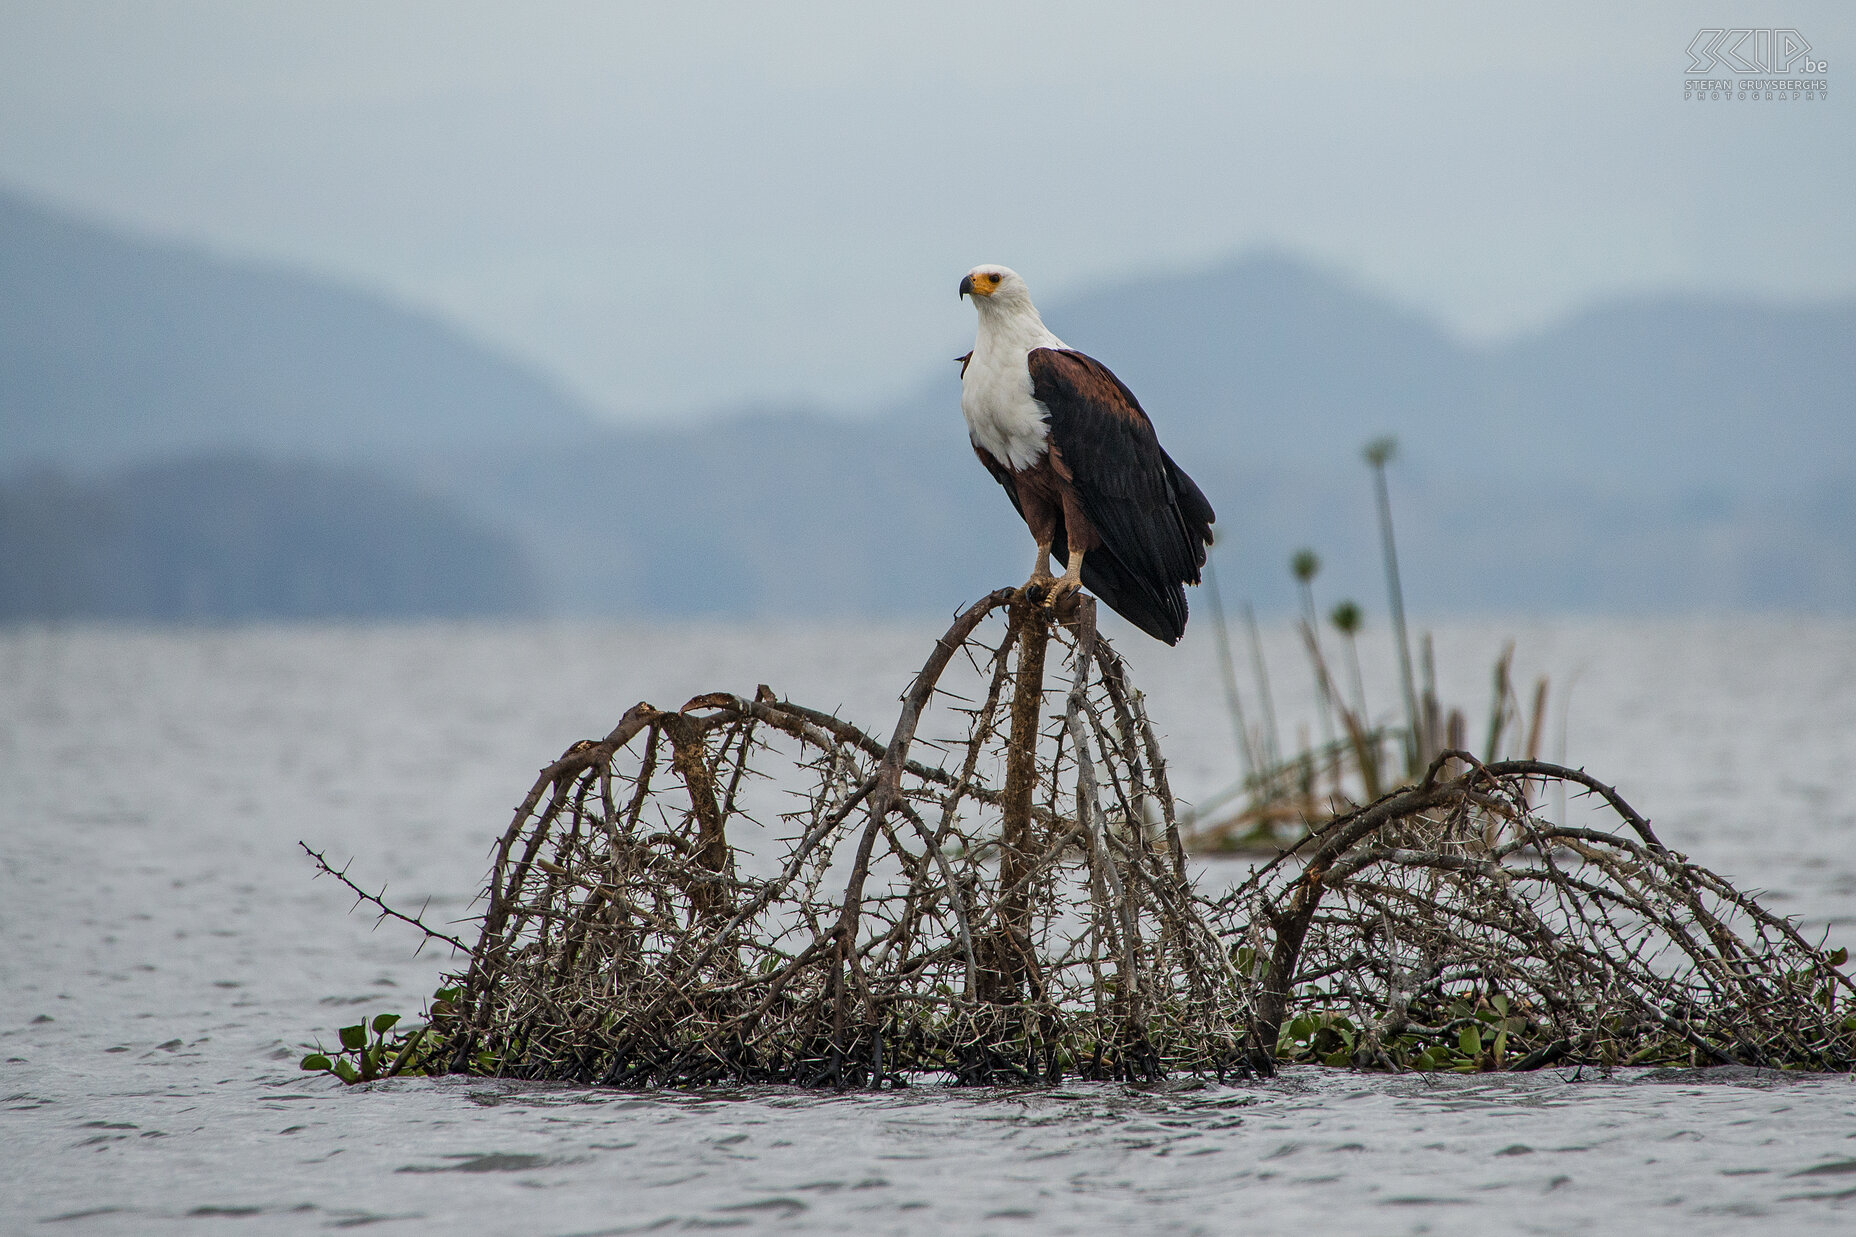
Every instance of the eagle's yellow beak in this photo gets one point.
(979, 285)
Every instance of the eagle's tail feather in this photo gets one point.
(1157, 609)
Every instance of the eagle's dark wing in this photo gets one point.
(1153, 521)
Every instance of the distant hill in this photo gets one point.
(1270, 360)
(803, 517)
(1632, 458)
(791, 515)
(114, 347)
(234, 538)
(1649, 454)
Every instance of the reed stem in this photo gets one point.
(1378, 452)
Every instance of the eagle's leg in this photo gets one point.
(1080, 537)
(1045, 520)
(1037, 588)
(1040, 572)
(1071, 579)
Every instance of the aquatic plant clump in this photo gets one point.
(1451, 925)
(750, 890)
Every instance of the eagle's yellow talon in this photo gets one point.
(1062, 595)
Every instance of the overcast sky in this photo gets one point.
(679, 208)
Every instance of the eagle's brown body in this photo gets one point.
(1046, 497)
(1103, 491)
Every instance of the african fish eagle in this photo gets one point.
(1079, 459)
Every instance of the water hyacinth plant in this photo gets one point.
(382, 1047)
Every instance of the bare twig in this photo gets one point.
(324, 868)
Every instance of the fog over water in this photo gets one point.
(168, 955)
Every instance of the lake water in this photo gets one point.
(167, 956)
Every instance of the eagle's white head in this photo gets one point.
(1009, 322)
(996, 288)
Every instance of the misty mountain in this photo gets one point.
(1272, 360)
(115, 347)
(1648, 454)
(1631, 458)
(233, 537)
(803, 516)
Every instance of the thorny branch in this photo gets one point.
(750, 890)
(325, 868)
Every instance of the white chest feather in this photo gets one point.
(995, 392)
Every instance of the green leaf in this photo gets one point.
(410, 1047)
(316, 1061)
(384, 1023)
(447, 994)
(344, 1069)
(1341, 1057)
(354, 1038)
(1469, 1039)
(1838, 956)
(1500, 1003)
